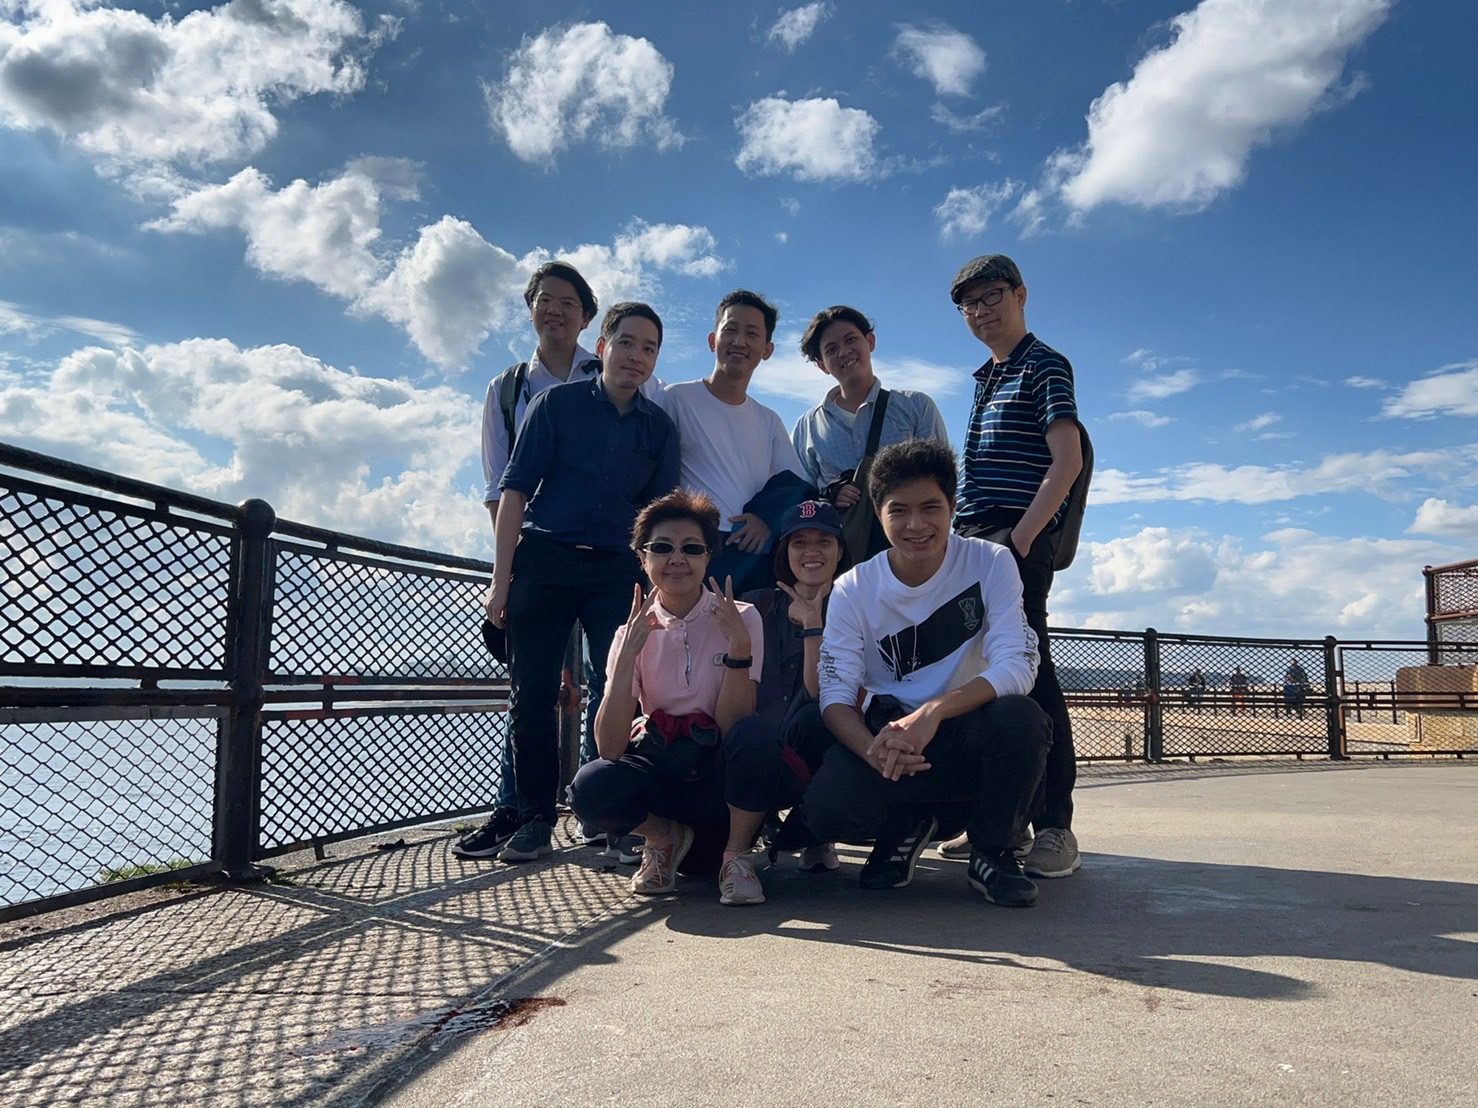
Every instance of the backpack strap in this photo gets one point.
(875, 429)
(515, 381)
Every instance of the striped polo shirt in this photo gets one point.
(1006, 453)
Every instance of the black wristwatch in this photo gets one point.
(810, 632)
(735, 663)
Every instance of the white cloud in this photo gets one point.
(962, 124)
(788, 376)
(966, 213)
(317, 233)
(367, 455)
(798, 24)
(812, 140)
(1235, 74)
(1365, 382)
(1377, 472)
(449, 289)
(1169, 384)
(1292, 583)
(566, 85)
(198, 89)
(1453, 390)
(1259, 423)
(948, 59)
(15, 320)
(1143, 418)
(1438, 517)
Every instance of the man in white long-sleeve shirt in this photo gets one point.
(934, 629)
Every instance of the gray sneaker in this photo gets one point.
(625, 849)
(1054, 853)
(529, 843)
(959, 846)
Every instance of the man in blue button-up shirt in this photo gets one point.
(590, 455)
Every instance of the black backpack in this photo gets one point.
(515, 380)
(1065, 538)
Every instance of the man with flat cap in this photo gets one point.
(1022, 454)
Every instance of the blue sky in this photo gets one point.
(276, 249)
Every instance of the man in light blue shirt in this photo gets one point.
(831, 438)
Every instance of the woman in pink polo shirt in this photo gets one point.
(689, 659)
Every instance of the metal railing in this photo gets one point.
(193, 687)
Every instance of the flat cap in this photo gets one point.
(987, 267)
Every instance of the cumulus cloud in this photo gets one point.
(1289, 584)
(199, 89)
(1143, 418)
(798, 24)
(570, 84)
(966, 213)
(1438, 517)
(1235, 74)
(1452, 390)
(948, 59)
(450, 288)
(1168, 384)
(812, 140)
(1379, 472)
(368, 455)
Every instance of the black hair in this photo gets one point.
(565, 272)
(910, 460)
(617, 312)
(752, 300)
(811, 340)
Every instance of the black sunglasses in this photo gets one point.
(691, 549)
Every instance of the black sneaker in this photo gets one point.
(529, 843)
(1001, 879)
(891, 863)
(488, 839)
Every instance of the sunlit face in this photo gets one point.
(556, 313)
(813, 555)
(846, 353)
(738, 341)
(916, 518)
(994, 323)
(678, 576)
(629, 357)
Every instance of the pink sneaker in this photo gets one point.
(739, 884)
(659, 861)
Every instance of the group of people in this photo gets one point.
(841, 622)
(1296, 689)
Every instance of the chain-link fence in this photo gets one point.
(1452, 607)
(192, 687)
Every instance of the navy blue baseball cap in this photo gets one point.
(815, 514)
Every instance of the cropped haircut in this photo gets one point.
(617, 312)
(679, 504)
(565, 272)
(911, 460)
(749, 299)
(811, 340)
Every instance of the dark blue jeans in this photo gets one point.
(1053, 804)
(553, 586)
(984, 768)
(746, 771)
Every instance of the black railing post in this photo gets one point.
(1334, 712)
(238, 792)
(1154, 719)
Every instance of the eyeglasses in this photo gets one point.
(661, 549)
(988, 299)
(544, 302)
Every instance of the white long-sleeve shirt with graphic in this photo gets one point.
(917, 644)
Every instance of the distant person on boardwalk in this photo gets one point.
(933, 629)
(1295, 689)
(688, 658)
(1023, 451)
(591, 455)
(1239, 685)
(734, 449)
(1195, 690)
(833, 438)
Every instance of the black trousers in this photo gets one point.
(553, 585)
(1053, 804)
(984, 765)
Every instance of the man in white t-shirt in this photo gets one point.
(731, 444)
(934, 630)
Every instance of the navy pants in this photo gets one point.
(747, 771)
(984, 767)
(553, 585)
